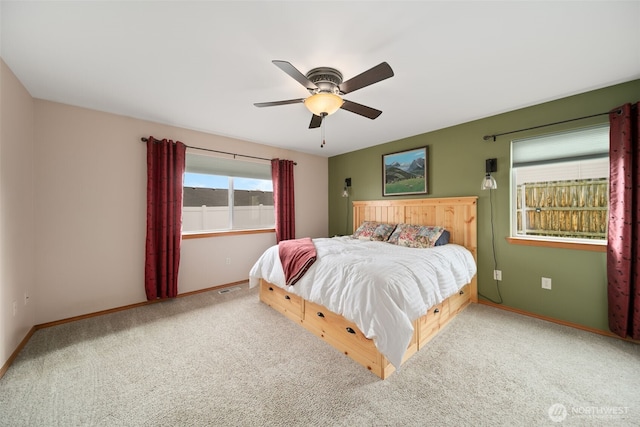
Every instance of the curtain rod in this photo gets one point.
(494, 136)
(143, 139)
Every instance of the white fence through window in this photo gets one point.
(211, 218)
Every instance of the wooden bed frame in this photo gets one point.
(456, 214)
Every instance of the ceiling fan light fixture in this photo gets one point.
(323, 103)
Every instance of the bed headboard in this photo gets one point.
(457, 214)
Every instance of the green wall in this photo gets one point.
(456, 167)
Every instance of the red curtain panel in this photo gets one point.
(165, 172)
(282, 177)
(623, 250)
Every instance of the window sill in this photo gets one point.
(225, 233)
(562, 245)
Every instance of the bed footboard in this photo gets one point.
(345, 336)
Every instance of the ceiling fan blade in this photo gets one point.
(316, 121)
(274, 103)
(363, 110)
(297, 75)
(373, 75)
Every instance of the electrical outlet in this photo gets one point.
(227, 261)
(497, 274)
(546, 283)
(26, 298)
(15, 308)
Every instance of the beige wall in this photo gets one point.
(72, 211)
(17, 237)
(90, 211)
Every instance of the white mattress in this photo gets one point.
(380, 287)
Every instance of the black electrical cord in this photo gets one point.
(493, 247)
(346, 219)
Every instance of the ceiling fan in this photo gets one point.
(326, 87)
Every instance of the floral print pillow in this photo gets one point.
(371, 230)
(416, 236)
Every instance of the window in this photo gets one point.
(560, 186)
(226, 194)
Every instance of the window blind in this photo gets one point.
(584, 144)
(212, 165)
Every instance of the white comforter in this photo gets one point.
(380, 287)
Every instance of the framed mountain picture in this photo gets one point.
(405, 172)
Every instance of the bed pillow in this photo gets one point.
(419, 236)
(444, 238)
(371, 230)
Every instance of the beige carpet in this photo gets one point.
(227, 360)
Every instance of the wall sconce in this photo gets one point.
(489, 182)
(347, 187)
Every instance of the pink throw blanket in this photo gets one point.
(296, 256)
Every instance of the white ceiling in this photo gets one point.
(202, 65)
